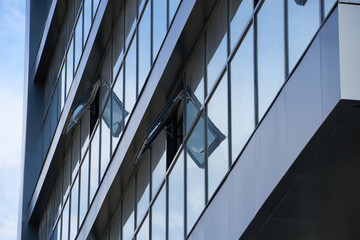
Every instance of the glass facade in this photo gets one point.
(238, 65)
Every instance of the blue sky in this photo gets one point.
(12, 44)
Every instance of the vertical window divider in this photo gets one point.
(150, 193)
(151, 31)
(286, 39)
(184, 151)
(322, 11)
(256, 99)
(166, 206)
(167, 15)
(229, 82)
(135, 201)
(205, 123)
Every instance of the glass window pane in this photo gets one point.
(118, 43)
(195, 86)
(65, 222)
(57, 198)
(70, 19)
(216, 45)
(128, 213)
(242, 94)
(117, 110)
(62, 79)
(105, 80)
(53, 112)
(75, 153)
(303, 21)
(95, 6)
(159, 25)
(176, 200)
(87, 18)
(74, 209)
(57, 231)
(69, 66)
(46, 135)
(144, 46)
(218, 163)
(143, 233)
(195, 177)
(130, 79)
(158, 161)
(158, 217)
(142, 188)
(94, 164)
(328, 5)
(130, 20)
(115, 225)
(270, 35)
(105, 140)
(84, 188)
(67, 175)
(78, 40)
(85, 132)
(240, 13)
(173, 6)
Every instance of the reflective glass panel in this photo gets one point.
(57, 231)
(65, 222)
(78, 40)
(242, 94)
(144, 46)
(195, 177)
(105, 139)
(130, 79)
(105, 80)
(74, 209)
(57, 198)
(130, 19)
(143, 233)
(53, 113)
(84, 188)
(173, 6)
(240, 13)
(75, 153)
(195, 86)
(271, 68)
(115, 225)
(95, 6)
(87, 18)
(158, 217)
(63, 81)
(46, 135)
(216, 45)
(158, 161)
(303, 21)
(118, 43)
(328, 5)
(69, 66)
(128, 213)
(117, 110)
(94, 164)
(176, 200)
(159, 24)
(142, 188)
(217, 150)
(67, 175)
(85, 132)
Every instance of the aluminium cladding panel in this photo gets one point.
(349, 39)
(303, 104)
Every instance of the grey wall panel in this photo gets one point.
(349, 39)
(291, 122)
(330, 72)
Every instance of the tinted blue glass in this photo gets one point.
(75, 154)
(130, 79)
(94, 164)
(57, 231)
(143, 233)
(63, 83)
(217, 136)
(53, 112)
(84, 188)
(303, 21)
(143, 188)
(195, 177)
(87, 18)
(242, 94)
(78, 40)
(159, 24)
(240, 13)
(105, 140)
(328, 5)
(66, 175)
(158, 217)
(118, 44)
(216, 45)
(173, 6)
(74, 209)
(46, 135)
(271, 62)
(69, 66)
(144, 46)
(176, 200)
(117, 110)
(130, 20)
(128, 213)
(65, 222)
(158, 161)
(95, 6)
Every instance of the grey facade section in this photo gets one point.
(305, 102)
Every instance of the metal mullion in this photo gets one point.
(286, 39)
(205, 120)
(322, 11)
(185, 192)
(256, 92)
(167, 15)
(150, 193)
(229, 85)
(151, 32)
(135, 201)
(166, 206)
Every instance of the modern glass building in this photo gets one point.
(191, 119)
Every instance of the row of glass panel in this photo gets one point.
(242, 98)
(206, 167)
(66, 56)
(111, 125)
